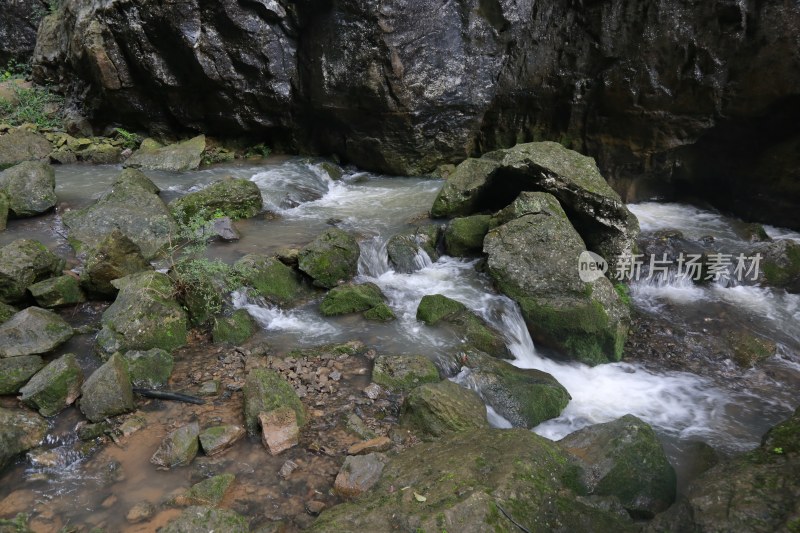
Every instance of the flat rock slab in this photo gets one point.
(279, 430)
(217, 439)
(359, 474)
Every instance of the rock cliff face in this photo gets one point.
(670, 96)
(18, 29)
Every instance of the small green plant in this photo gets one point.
(129, 140)
(624, 293)
(15, 71)
(259, 150)
(36, 105)
(778, 451)
(216, 155)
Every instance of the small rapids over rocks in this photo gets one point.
(672, 377)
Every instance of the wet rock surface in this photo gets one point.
(33, 331)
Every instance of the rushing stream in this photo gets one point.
(729, 413)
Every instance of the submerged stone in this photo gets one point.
(205, 519)
(178, 448)
(19, 432)
(405, 250)
(474, 331)
(351, 299)
(217, 439)
(210, 491)
(54, 387)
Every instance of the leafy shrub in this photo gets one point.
(37, 105)
(129, 140)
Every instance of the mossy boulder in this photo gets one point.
(131, 207)
(33, 331)
(756, 492)
(380, 313)
(749, 348)
(204, 519)
(234, 329)
(331, 258)
(107, 392)
(181, 156)
(30, 188)
(20, 145)
(463, 236)
(351, 299)
(404, 372)
(54, 387)
(217, 439)
(472, 482)
(231, 197)
(332, 170)
(115, 257)
(533, 259)
(780, 266)
(145, 315)
(524, 397)
(19, 432)
(210, 491)
(23, 263)
(474, 331)
(277, 283)
(624, 458)
(435, 409)
(178, 448)
(6, 312)
(149, 369)
(101, 153)
(405, 249)
(57, 292)
(16, 371)
(265, 390)
(496, 179)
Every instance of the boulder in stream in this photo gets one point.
(780, 266)
(107, 392)
(181, 156)
(235, 328)
(149, 369)
(476, 481)
(19, 432)
(23, 263)
(144, 316)
(624, 458)
(30, 188)
(331, 258)
(230, 197)
(217, 439)
(464, 236)
(524, 397)
(271, 279)
(437, 309)
(404, 249)
(533, 259)
(57, 292)
(54, 387)
(16, 371)
(351, 298)
(435, 409)
(497, 178)
(33, 331)
(210, 491)
(115, 257)
(131, 207)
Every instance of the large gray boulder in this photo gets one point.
(436, 409)
(404, 249)
(16, 371)
(33, 331)
(331, 258)
(277, 283)
(533, 259)
(624, 458)
(107, 392)
(144, 315)
(185, 155)
(130, 207)
(115, 257)
(23, 263)
(524, 397)
(30, 188)
(55, 387)
(476, 481)
(602, 219)
(231, 197)
(19, 431)
(20, 145)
